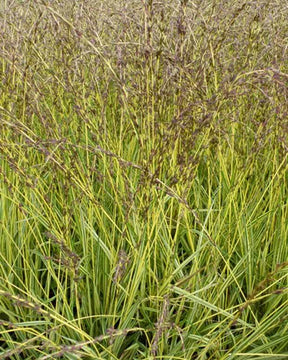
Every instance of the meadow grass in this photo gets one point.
(143, 162)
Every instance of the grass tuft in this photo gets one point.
(143, 180)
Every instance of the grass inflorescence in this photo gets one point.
(143, 167)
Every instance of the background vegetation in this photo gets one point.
(143, 155)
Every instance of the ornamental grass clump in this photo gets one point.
(143, 180)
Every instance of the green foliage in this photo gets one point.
(143, 164)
